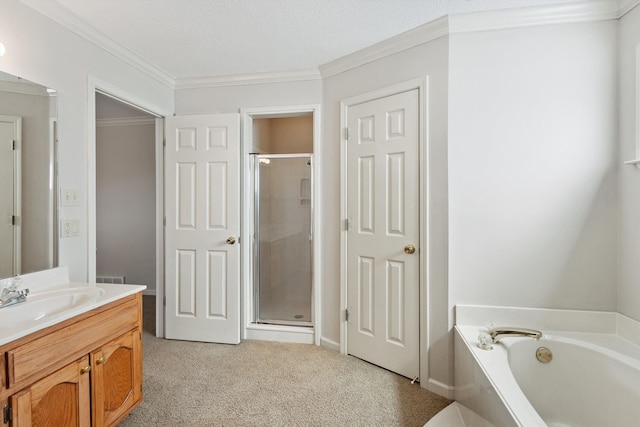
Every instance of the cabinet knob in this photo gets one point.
(101, 360)
(85, 370)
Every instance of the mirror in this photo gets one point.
(28, 120)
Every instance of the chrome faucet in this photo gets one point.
(493, 335)
(10, 294)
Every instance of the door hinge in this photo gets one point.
(346, 314)
(8, 414)
(164, 300)
(13, 144)
(164, 221)
(164, 142)
(14, 220)
(346, 224)
(346, 134)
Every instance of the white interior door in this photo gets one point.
(383, 267)
(9, 197)
(202, 206)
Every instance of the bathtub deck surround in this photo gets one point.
(509, 386)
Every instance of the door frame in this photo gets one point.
(422, 85)
(106, 88)
(282, 332)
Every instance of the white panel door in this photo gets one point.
(9, 261)
(202, 206)
(383, 267)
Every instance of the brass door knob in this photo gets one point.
(85, 370)
(409, 249)
(231, 240)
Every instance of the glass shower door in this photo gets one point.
(282, 251)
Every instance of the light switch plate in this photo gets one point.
(69, 197)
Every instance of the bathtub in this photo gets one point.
(592, 380)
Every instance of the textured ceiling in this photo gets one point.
(207, 38)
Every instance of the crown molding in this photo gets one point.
(23, 88)
(69, 21)
(626, 6)
(423, 34)
(126, 121)
(247, 79)
(564, 13)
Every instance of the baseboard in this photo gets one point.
(149, 292)
(441, 389)
(331, 345)
(294, 334)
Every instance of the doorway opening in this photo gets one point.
(115, 116)
(280, 258)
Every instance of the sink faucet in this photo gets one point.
(10, 294)
(493, 335)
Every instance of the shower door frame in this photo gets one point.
(255, 158)
(250, 329)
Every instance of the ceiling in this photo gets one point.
(210, 38)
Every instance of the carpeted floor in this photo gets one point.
(261, 383)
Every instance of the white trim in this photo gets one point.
(422, 85)
(126, 121)
(440, 388)
(60, 15)
(159, 290)
(247, 79)
(329, 344)
(280, 333)
(423, 34)
(23, 87)
(564, 13)
(626, 6)
(247, 115)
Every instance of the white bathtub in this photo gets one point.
(593, 380)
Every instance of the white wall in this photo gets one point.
(40, 50)
(429, 59)
(532, 167)
(628, 301)
(126, 202)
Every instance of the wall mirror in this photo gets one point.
(28, 188)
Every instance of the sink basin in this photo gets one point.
(45, 304)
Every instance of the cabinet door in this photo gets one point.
(60, 399)
(116, 378)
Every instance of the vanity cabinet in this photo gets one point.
(86, 371)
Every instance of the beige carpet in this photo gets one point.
(261, 383)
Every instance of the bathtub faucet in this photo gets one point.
(498, 333)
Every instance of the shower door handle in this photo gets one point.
(231, 240)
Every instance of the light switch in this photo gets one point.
(69, 197)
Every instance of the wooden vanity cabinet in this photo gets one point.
(86, 371)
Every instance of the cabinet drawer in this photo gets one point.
(45, 354)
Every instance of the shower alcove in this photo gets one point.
(279, 286)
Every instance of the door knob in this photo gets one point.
(231, 240)
(409, 249)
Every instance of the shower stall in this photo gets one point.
(282, 248)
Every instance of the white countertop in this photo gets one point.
(38, 286)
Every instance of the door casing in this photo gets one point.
(422, 85)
